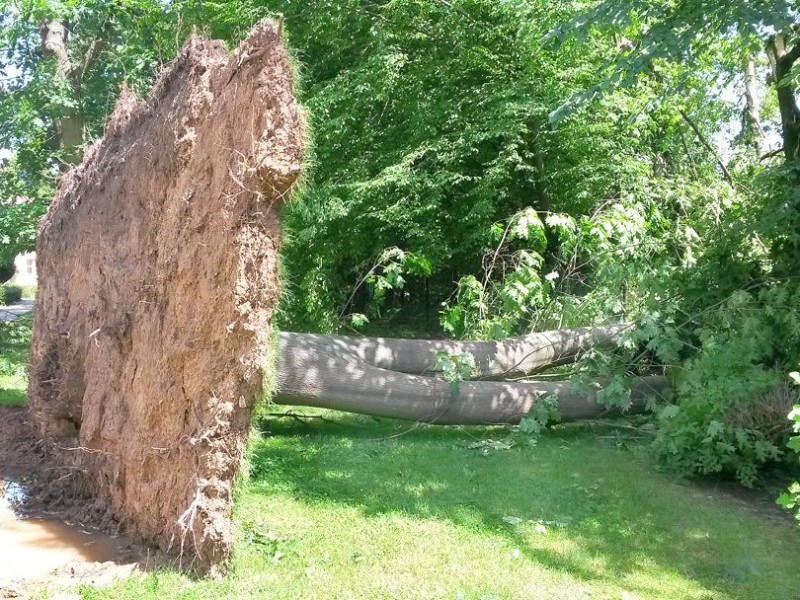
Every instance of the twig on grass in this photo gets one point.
(300, 417)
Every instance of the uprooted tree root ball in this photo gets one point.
(157, 284)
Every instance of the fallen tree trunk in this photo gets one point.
(322, 372)
(503, 359)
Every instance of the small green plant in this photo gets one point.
(269, 543)
(455, 368)
(543, 413)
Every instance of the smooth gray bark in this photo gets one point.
(350, 374)
(503, 359)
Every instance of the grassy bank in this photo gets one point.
(15, 339)
(368, 509)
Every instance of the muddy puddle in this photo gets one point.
(41, 550)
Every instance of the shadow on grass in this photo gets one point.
(614, 516)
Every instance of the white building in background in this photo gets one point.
(25, 274)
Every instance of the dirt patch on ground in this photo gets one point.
(158, 278)
(42, 547)
(757, 500)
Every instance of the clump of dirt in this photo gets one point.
(158, 278)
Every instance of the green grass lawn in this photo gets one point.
(15, 339)
(368, 509)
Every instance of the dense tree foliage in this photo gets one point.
(61, 66)
(488, 168)
(731, 325)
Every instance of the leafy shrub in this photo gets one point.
(729, 383)
(544, 412)
(791, 498)
(694, 444)
(7, 271)
(455, 368)
(10, 294)
(500, 306)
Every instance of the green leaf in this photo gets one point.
(787, 501)
(794, 443)
(358, 320)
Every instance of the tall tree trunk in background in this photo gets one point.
(69, 127)
(781, 59)
(752, 132)
(545, 201)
